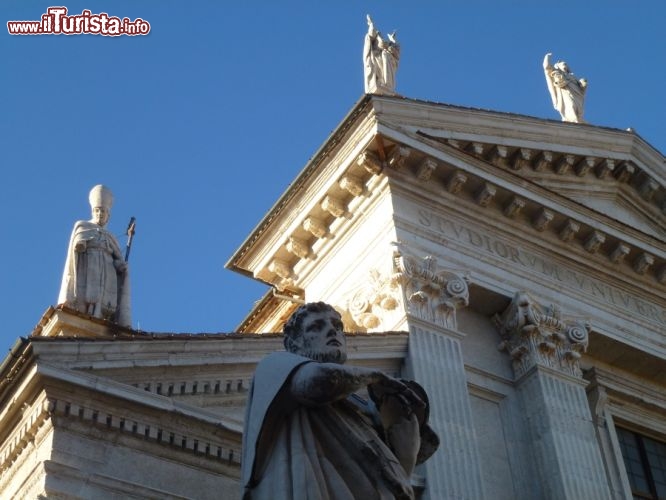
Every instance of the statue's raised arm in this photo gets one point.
(547, 68)
(371, 26)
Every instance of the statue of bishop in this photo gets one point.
(96, 277)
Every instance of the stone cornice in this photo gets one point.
(47, 391)
(549, 168)
(623, 387)
(451, 158)
(268, 314)
(534, 207)
(111, 388)
(13, 368)
(285, 205)
(33, 418)
(340, 228)
(173, 352)
(200, 437)
(633, 403)
(314, 223)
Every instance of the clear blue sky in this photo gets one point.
(201, 125)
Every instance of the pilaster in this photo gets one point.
(431, 296)
(545, 351)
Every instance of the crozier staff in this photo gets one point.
(131, 229)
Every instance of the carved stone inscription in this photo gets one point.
(518, 256)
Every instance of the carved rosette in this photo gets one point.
(537, 336)
(431, 293)
(370, 305)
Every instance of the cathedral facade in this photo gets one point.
(513, 266)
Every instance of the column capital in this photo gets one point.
(534, 335)
(432, 293)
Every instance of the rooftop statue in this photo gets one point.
(308, 435)
(96, 278)
(380, 61)
(567, 92)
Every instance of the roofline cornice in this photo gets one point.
(295, 187)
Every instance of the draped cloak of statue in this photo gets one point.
(90, 279)
(333, 451)
(390, 58)
(372, 64)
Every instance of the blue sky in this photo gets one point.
(199, 126)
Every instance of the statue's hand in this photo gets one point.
(80, 246)
(120, 265)
(389, 387)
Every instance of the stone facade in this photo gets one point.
(524, 257)
(514, 267)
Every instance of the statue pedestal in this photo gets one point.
(381, 90)
(62, 321)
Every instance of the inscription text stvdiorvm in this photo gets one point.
(497, 248)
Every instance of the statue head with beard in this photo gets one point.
(314, 330)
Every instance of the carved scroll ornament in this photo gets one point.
(372, 303)
(432, 293)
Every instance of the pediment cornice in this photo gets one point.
(471, 175)
(508, 129)
(565, 170)
(502, 163)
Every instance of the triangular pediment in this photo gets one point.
(609, 170)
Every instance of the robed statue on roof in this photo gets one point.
(380, 61)
(96, 276)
